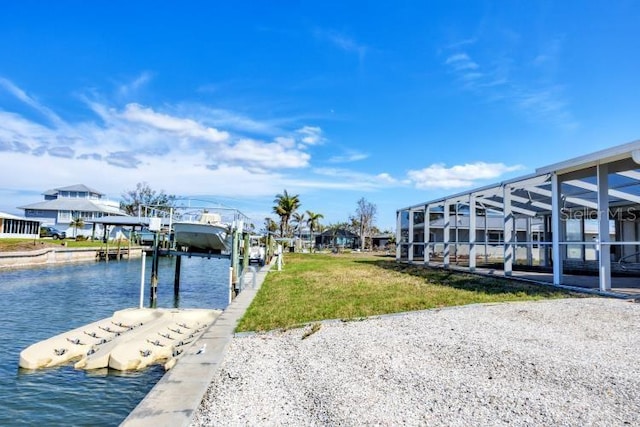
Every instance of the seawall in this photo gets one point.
(60, 255)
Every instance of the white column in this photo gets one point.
(410, 248)
(398, 234)
(527, 237)
(446, 231)
(472, 232)
(508, 226)
(456, 246)
(604, 260)
(427, 234)
(486, 236)
(556, 221)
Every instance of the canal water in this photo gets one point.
(38, 303)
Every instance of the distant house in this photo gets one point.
(339, 238)
(381, 241)
(12, 226)
(62, 206)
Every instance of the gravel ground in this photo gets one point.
(571, 362)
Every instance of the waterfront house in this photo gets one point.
(337, 238)
(62, 206)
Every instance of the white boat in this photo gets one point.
(208, 234)
(131, 339)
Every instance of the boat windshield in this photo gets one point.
(210, 218)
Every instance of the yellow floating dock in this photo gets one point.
(131, 339)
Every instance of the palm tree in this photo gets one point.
(285, 206)
(78, 222)
(270, 225)
(298, 219)
(313, 222)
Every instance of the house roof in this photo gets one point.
(5, 215)
(64, 204)
(341, 232)
(76, 187)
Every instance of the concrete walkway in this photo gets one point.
(175, 398)
(621, 287)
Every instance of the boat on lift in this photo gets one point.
(207, 234)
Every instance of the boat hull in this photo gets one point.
(198, 237)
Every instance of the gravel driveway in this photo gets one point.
(559, 362)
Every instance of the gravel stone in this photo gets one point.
(570, 362)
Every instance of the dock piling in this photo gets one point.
(176, 279)
(154, 272)
(144, 258)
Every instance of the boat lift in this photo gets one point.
(240, 244)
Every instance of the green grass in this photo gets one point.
(9, 245)
(315, 287)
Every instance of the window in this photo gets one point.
(495, 237)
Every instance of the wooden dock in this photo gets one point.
(112, 254)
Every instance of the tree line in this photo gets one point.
(292, 220)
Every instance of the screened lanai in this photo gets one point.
(573, 223)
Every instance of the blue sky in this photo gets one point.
(397, 102)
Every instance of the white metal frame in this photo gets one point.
(550, 192)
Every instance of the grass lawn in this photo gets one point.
(314, 287)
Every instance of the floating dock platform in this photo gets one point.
(131, 339)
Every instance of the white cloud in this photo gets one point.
(528, 86)
(285, 141)
(65, 152)
(230, 120)
(349, 156)
(124, 134)
(461, 62)
(459, 44)
(467, 175)
(385, 177)
(342, 41)
(311, 135)
(128, 89)
(358, 180)
(263, 155)
(30, 101)
(133, 143)
(135, 113)
(16, 128)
